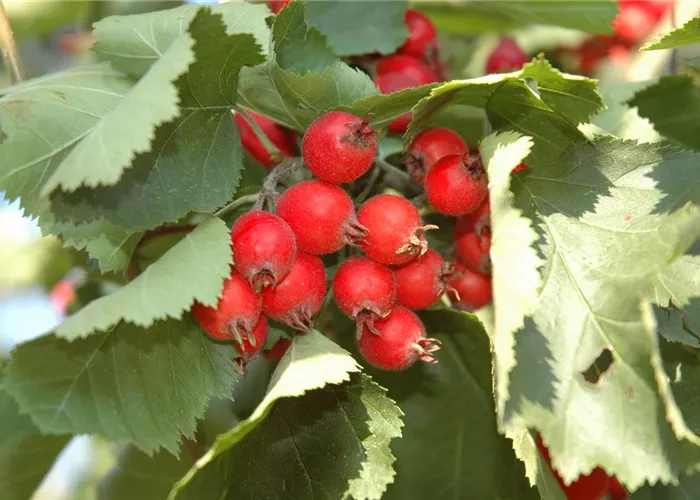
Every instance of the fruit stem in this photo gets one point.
(8, 46)
(271, 148)
(370, 185)
(243, 200)
(392, 170)
(268, 193)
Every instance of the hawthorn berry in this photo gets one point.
(395, 229)
(339, 147)
(321, 215)
(236, 313)
(264, 248)
(277, 5)
(364, 289)
(593, 486)
(297, 298)
(616, 491)
(468, 290)
(472, 240)
(422, 34)
(250, 346)
(394, 82)
(456, 184)
(420, 282)
(519, 167)
(409, 66)
(284, 139)
(399, 341)
(276, 352)
(428, 147)
(507, 56)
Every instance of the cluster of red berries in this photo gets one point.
(633, 25)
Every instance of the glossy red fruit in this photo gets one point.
(278, 350)
(421, 282)
(591, 487)
(468, 290)
(409, 66)
(299, 296)
(519, 167)
(236, 313)
(422, 35)
(472, 240)
(321, 215)
(394, 82)
(396, 230)
(283, 138)
(339, 147)
(507, 56)
(264, 248)
(251, 345)
(277, 5)
(364, 289)
(428, 147)
(399, 342)
(456, 185)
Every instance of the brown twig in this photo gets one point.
(8, 47)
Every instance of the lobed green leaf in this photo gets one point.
(687, 34)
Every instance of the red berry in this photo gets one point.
(283, 138)
(364, 289)
(276, 352)
(277, 5)
(399, 342)
(594, 486)
(507, 56)
(321, 215)
(421, 282)
(299, 296)
(395, 230)
(409, 66)
(634, 23)
(521, 166)
(264, 248)
(421, 34)
(248, 349)
(456, 185)
(473, 239)
(236, 313)
(469, 291)
(339, 147)
(428, 147)
(394, 82)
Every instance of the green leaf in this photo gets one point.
(677, 296)
(360, 27)
(687, 34)
(673, 107)
(25, 454)
(134, 43)
(451, 447)
(312, 446)
(516, 279)
(139, 477)
(384, 422)
(144, 386)
(202, 260)
(111, 245)
(299, 49)
(592, 16)
(462, 19)
(198, 156)
(688, 488)
(383, 108)
(573, 97)
(603, 248)
(311, 362)
(296, 100)
(43, 119)
(118, 138)
(511, 105)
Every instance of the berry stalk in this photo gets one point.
(8, 46)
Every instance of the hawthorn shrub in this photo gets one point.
(337, 270)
